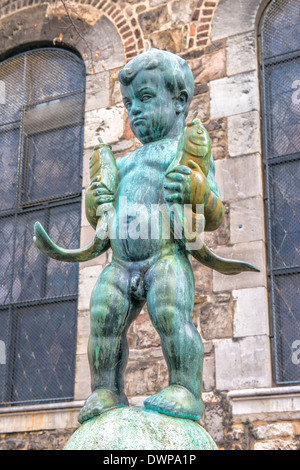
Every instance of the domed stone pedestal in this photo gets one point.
(135, 428)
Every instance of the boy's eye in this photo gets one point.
(146, 98)
(127, 104)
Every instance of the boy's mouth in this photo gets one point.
(138, 121)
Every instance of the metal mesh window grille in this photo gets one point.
(42, 94)
(280, 55)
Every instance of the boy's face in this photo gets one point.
(150, 106)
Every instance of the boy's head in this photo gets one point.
(157, 88)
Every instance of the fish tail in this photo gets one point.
(49, 248)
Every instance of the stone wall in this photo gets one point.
(219, 41)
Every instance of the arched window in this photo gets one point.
(41, 139)
(280, 57)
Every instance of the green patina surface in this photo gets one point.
(136, 428)
(173, 166)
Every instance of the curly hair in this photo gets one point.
(177, 74)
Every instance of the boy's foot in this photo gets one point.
(176, 401)
(99, 401)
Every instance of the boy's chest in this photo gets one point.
(151, 160)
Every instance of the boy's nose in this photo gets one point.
(135, 108)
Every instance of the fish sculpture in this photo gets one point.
(103, 169)
(194, 151)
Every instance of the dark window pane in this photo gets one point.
(284, 108)
(13, 77)
(53, 72)
(287, 305)
(45, 352)
(62, 278)
(281, 28)
(285, 187)
(3, 350)
(9, 151)
(29, 275)
(7, 226)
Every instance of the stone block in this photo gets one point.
(200, 103)
(87, 235)
(97, 91)
(83, 331)
(241, 53)
(247, 220)
(252, 252)
(208, 374)
(276, 444)
(214, 421)
(145, 377)
(240, 177)
(154, 19)
(107, 123)
(244, 134)
(82, 378)
(234, 95)
(88, 277)
(250, 312)
(208, 67)
(168, 39)
(216, 320)
(234, 17)
(243, 363)
(269, 431)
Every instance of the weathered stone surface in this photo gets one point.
(241, 54)
(134, 428)
(244, 134)
(250, 307)
(107, 123)
(243, 363)
(246, 220)
(208, 67)
(277, 444)
(146, 377)
(103, 35)
(208, 374)
(200, 103)
(153, 20)
(216, 320)
(88, 277)
(239, 178)
(214, 421)
(217, 130)
(97, 91)
(234, 95)
(268, 431)
(168, 39)
(82, 377)
(234, 17)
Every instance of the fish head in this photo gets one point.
(197, 144)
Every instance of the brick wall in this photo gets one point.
(231, 313)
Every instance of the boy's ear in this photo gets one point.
(181, 101)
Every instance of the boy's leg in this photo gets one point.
(170, 300)
(112, 311)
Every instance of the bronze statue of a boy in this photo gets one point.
(157, 88)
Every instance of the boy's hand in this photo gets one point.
(187, 185)
(96, 195)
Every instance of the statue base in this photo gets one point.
(136, 428)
